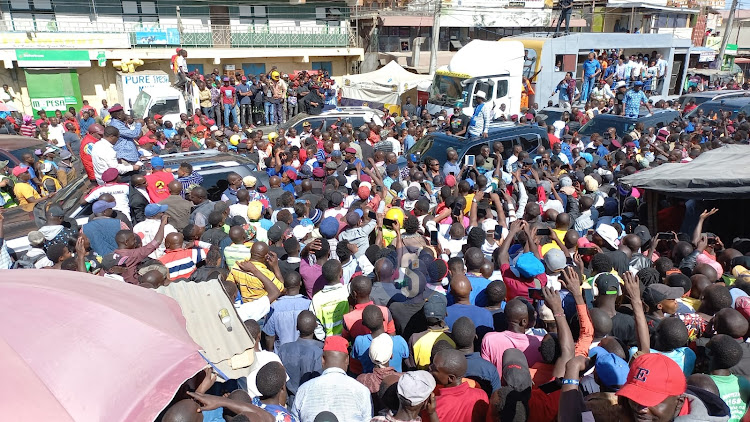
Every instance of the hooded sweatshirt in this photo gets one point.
(703, 406)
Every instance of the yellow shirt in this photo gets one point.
(22, 191)
(469, 198)
(250, 286)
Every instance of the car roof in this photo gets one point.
(14, 142)
(495, 129)
(732, 101)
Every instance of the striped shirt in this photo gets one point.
(250, 286)
(335, 392)
(190, 181)
(181, 263)
(28, 130)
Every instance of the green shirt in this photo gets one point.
(734, 391)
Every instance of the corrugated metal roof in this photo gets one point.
(200, 304)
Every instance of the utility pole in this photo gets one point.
(435, 40)
(179, 22)
(727, 31)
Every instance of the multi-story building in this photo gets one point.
(63, 50)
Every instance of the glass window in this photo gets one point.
(42, 5)
(171, 106)
(502, 88)
(324, 66)
(130, 7)
(529, 62)
(475, 150)
(529, 142)
(507, 144)
(19, 4)
(148, 8)
(141, 102)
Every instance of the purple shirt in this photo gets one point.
(312, 277)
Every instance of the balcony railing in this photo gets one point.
(218, 36)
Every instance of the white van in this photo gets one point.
(163, 100)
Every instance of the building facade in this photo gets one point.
(57, 51)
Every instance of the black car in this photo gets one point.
(704, 96)
(733, 104)
(623, 125)
(214, 166)
(435, 144)
(553, 114)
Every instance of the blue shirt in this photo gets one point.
(481, 317)
(683, 356)
(169, 133)
(590, 67)
(633, 100)
(483, 372)
(125, 146)
(289, 187)
(242, 88)
(408, 142)
(361, 352)
(449, 167)
(101, 233)
(478, 286)
(282, 319)
(302, 361)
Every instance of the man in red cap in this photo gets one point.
(333, 390)
(655, 389)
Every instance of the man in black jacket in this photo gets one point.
(138, 198)
(313, 101)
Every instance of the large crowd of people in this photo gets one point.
(524, 287)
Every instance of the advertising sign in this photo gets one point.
(53, 58)
(157, 36)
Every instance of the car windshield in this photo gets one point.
(139, 107)
(18, 153)
(447, 90)
(598, 125)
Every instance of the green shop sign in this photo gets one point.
(53, 58)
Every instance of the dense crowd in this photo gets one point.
(520, 288)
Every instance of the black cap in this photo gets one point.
(607, 284)
(655, 293)
(515, 372)
(435, 307)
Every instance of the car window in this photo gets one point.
(356, 121)
(171, 106)
(474, 150)
(529, 141)
(507, 144)
(422, 145)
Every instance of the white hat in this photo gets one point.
(489, 225)
(381, 349)
(608, 233)
(620, 84)
(441, 118)
(300, 231)
(481, 94)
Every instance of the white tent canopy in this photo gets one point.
(384, 85)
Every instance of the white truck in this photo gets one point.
(490, 66)
(163, 100)
(130, 84)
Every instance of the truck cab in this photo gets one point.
(490, 66)
(163, 100)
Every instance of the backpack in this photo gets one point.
(27, 262)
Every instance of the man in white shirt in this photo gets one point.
(148, 228)
(113, 187)
(56, 132)
(661, 64)
(480, 121)
(103, 155)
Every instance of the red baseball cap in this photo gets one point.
(336, 344)
(450, 180)
(157, 116)
(652, 378)
(291, 174)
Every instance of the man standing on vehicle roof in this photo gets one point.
(591, 70)
(480, 121)
(633, 100)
